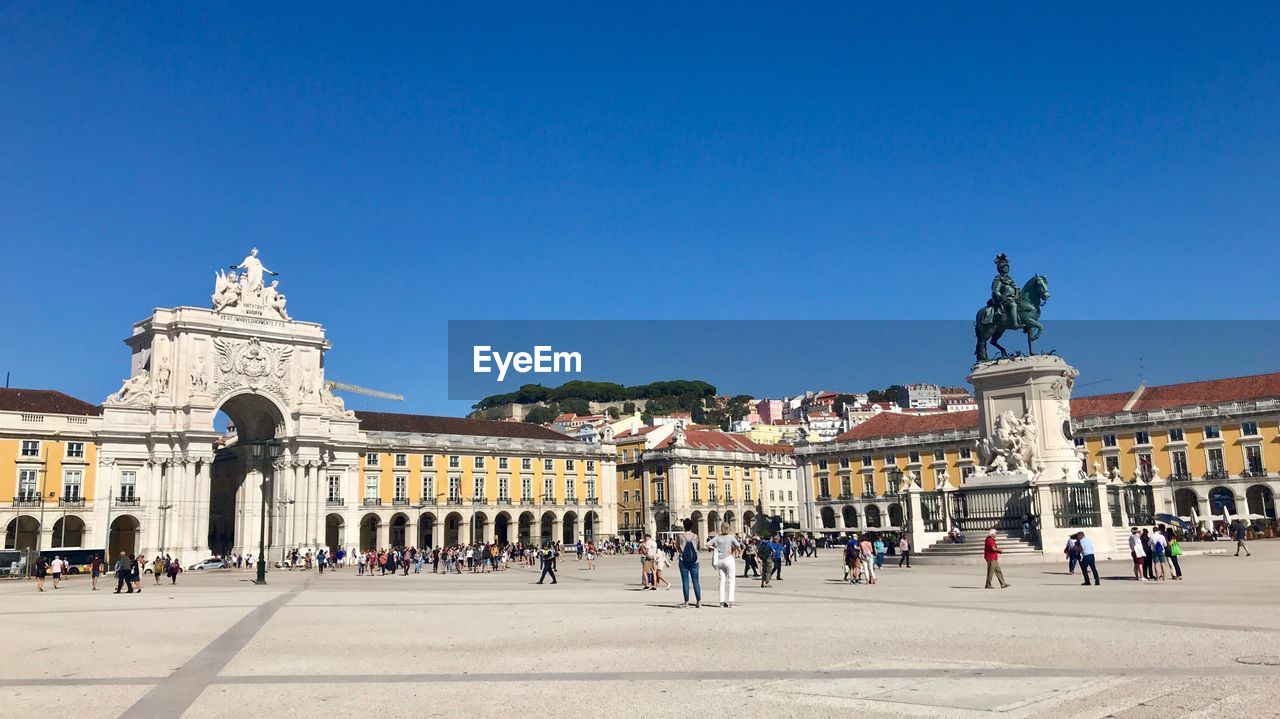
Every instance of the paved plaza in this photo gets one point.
(928, 641)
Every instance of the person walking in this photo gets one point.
(1159, 555)
(765, 551)
(1072, 553)
(904, 551)
(749, 564)
(135, 571)
(56, 568)
(726, 547)
(124, 573)
(158, 569)
(867, 559)
(1175, 551)
(95, 569)
(1088, 563)
(175, 568)
(991, 552)
(689, 564)
(878, 547)
(548, 564)
(1239, 532)
(42, 571)
(1138, 553)
(851, 552)
(777, 548)
(1146, 561)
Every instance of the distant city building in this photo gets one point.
(919, 396)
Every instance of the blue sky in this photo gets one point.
(573, 161)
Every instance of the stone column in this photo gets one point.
(437, 533)
(201, 503)
(464, 529)
(384, 532)
(915, 517)
(190, 506)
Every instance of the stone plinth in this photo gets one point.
(1024, 420)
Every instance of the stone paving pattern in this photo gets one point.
(928, 642)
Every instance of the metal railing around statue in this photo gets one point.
(1139, 504)
(931, 511)
(991, 508)
(1075, 505)
(1113, 503)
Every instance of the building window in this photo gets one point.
(502, 463)
(370, 486)
(30, 448)
(591, 490)
(746, 473)
(1175, 435)
(428, 461)
(1179, 460)
(846, 487)
(371, 460)
(822, 464)
(1079, 441)
(659, 492)
(913, 457)
(526, 463)
(1108, 440)
(727, 472)
(1253, 459)
(128, 484)
(844, 463)
(477, 488)
(570, 489)
(477, 463)
(626, 497)
(1216, 465)
(1249, 429)
(76, 449)
(1213, 431)
(504, 489)
(1144, 466)
(1113, 463)
(939, 455)
(526, 488)
(402, 488)
(693, 470)
(548, 465)
(591, 465)
(455, 489)
(335, 487)
(697, 491)
(71, 480)
(455, 462)
(966, 473)
(402, 460)
(746, 492)
(869, 487)
(570, 465)
(26, 484)
(548, 489)
(966, 452)
(711, 469)
(728, 493)
(428, 489)
(890, 459)
(1142, 437)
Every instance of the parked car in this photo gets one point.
(211, 563)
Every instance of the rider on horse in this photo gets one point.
(1004, 293)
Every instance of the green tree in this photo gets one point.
(540, 415)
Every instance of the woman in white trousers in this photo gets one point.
(726, 548)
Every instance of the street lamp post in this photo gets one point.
(265, 451)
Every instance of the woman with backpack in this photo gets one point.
(689, 564)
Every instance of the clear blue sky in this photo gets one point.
(527, 161)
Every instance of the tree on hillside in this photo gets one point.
(540, 415)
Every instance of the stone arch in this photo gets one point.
(22, 532)
(661, 520)
(570, 528)
(256, 415)
(335, 531)
(399, 527)
(828, 516)
(1260, 500)
(873, 516)
(713, 522)
(1185, 500)
(850, 516)
(426, 530)
(749, 522)
(590, 525)
(548, 527)
(369, 525)
(696, 518)
(122, 536)
(895, 515)
(525, 528)
(452, 529)
(730, 518)
(68, 531)
(1220, 497)
(479, 528)
(502, 528)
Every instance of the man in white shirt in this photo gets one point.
(1087, 560)
(648, 565)
(1138, 552)
(56, 567)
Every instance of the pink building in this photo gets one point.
(770, 410)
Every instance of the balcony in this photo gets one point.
(31, 500)
(1256, 472)
(696, 502)
(400, 502)
(479, 500)
(527, 502)
(373, 501)
(427, 502)
(844, 497)
(70, 501)
(335, 502)
(504, 500)
(455, 501)
(549, 501)
(128, 502)
(1216, 474)
(824, 497)
(1180, 477)
(869, 495)
(592, 502)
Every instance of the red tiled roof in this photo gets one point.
(897, 424)
(1099, 404)
(427, 424)
(45, 401)
(1213, 391)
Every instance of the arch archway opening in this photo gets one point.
(22, 532)
(334, 532)
(122, 536)
(237, 473)
(68, 532)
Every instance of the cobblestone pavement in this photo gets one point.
(928, 641)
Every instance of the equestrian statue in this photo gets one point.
(1010, 308)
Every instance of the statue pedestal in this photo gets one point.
(1032, 395)
(999, 479)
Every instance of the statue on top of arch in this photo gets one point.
(247, 289)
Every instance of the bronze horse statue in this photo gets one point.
(992, 321)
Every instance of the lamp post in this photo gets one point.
(265, 451)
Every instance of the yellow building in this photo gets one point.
(1212, 445)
